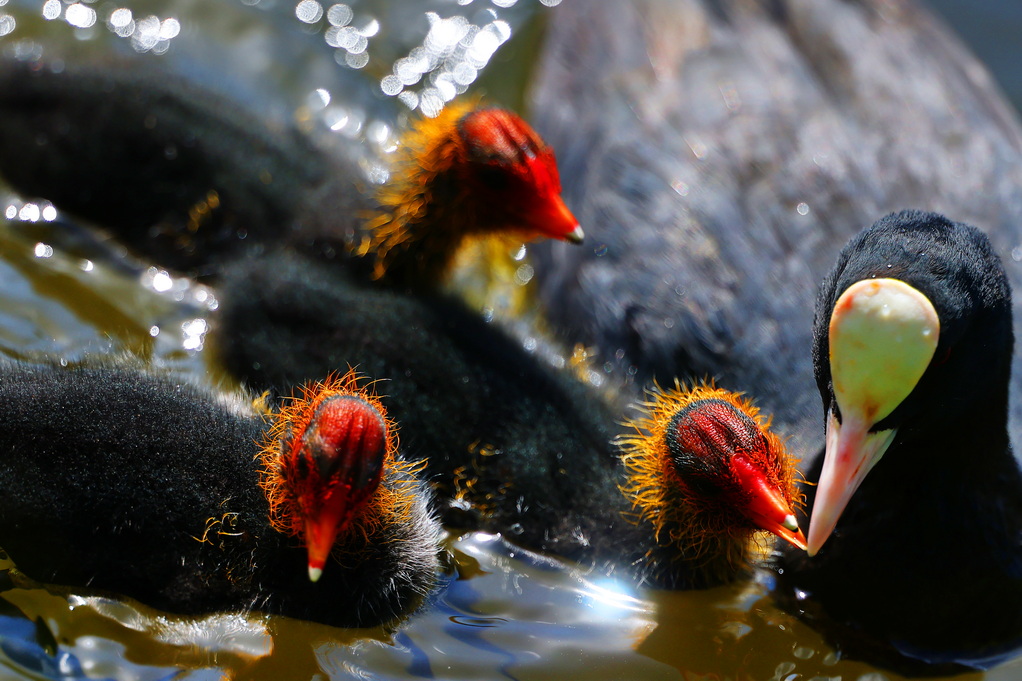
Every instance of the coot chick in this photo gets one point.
(460, 386)
(179, 174)
(190, 179)
(705, 471)
(463, 391)
(917, 516)
(470, 172)
(511, 444)
(189, 501)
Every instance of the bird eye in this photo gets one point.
(494, 177)
(943, 358)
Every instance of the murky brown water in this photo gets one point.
(502, 613)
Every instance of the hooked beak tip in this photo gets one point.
(575, 236)
(794, 534)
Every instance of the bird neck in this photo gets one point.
(424, 213)
(972, 439)
(943, 463)
(705, 544)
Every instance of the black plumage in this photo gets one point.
(925, 563)
(142, 485)
(719, 153)
(513, 445)
(176, 172)
(519, 447)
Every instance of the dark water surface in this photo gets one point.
(503, 613)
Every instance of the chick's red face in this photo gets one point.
(336, 465)
(345, 440)
(515, 172)
(723, 456)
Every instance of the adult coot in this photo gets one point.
(917, 517)
(719, 154)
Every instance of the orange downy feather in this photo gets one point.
(709, 533)
(429, 149)
(390, 503)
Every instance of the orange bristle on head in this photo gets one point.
(705, 470)
(323, 461)
(468, 172)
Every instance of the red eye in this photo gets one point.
(945, 357)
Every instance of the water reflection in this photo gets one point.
(505, 614)
(85, 298)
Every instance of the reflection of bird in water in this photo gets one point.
(125, 481)
(917, 518)
(720, 153)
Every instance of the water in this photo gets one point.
(502, 613)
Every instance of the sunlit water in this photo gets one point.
(501, 613)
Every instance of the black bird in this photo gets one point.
(174, 171)
(719, 153)
(190, 501)
(917, 517)
(191, 180)
(515, 446)
(522, 448)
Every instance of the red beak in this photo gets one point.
(323, 525)
(766, 506)
(551, 218)
(499, 138)
(342, 449)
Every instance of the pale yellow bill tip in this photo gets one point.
(315, 573)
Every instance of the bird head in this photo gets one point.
(913, 326)
(511, 174)
(324, 458)
(469, 172)
(705, 469)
